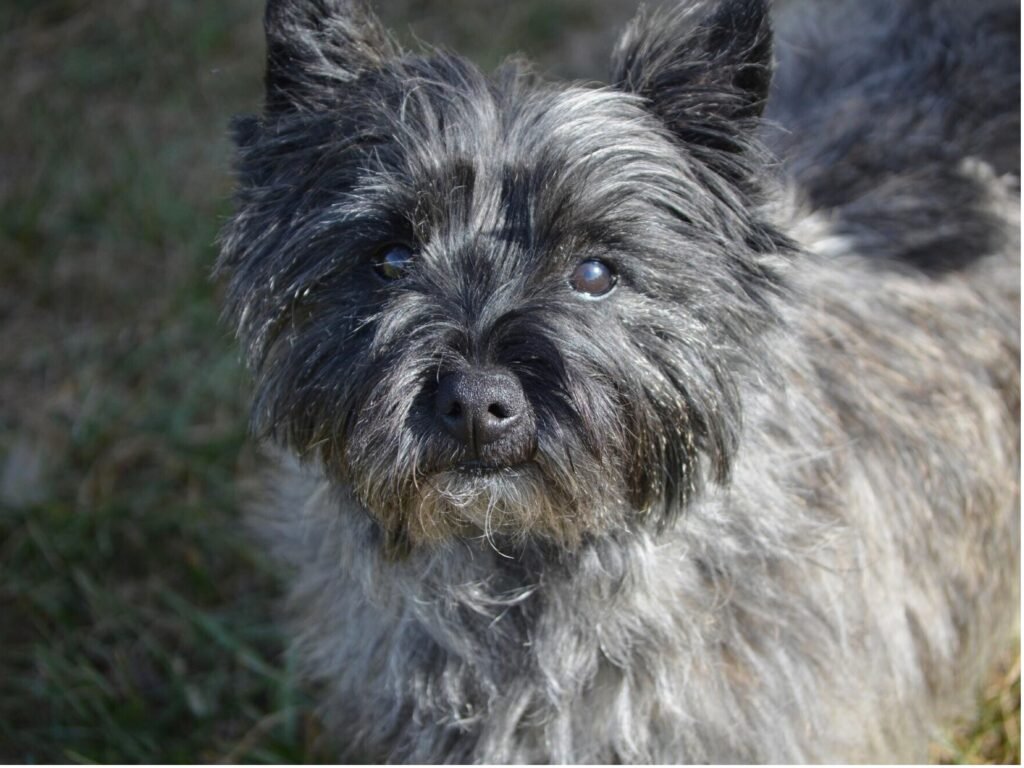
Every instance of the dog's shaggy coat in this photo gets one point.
(769, 507)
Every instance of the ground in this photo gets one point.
(137, 619)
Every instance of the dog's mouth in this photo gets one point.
(485, 469)
(479, 476)
(470, 479)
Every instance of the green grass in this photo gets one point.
(136, 620)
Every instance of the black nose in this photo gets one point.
(479, 407)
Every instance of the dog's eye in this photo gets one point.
(393, 261)
(593, 278)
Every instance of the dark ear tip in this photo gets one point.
(279, 10)
(747, 21)
(283, 13)
(315, 45)
(704, 68)
(749, 10)
(276, 14)
(245, 130)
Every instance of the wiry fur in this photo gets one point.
(770, 513)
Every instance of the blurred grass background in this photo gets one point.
(136, 621)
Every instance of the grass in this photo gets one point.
(138, 622)
(994, 735)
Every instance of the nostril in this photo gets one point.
(498, 410)
(454, 410)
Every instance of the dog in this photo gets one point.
(674, 419)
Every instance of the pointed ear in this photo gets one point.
(704, 70)
(314, 47)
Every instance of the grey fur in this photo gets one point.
(773, 511)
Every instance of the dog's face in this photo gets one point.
(494, 305)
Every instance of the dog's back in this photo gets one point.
(898, 124)
(898, 118)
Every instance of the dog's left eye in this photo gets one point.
(393, 261)
(592, 278)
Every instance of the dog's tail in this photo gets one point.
(902, 119)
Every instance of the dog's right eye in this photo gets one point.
(592, 278)
(393, 261)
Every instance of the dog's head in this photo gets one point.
(494, 304)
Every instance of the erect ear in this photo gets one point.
(315, 47)
(704, 70)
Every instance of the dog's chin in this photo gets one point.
(475, 497)
(474, 474)
(502, 504)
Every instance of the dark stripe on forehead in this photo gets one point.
(517, 202)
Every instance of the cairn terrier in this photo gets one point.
(671, 419)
